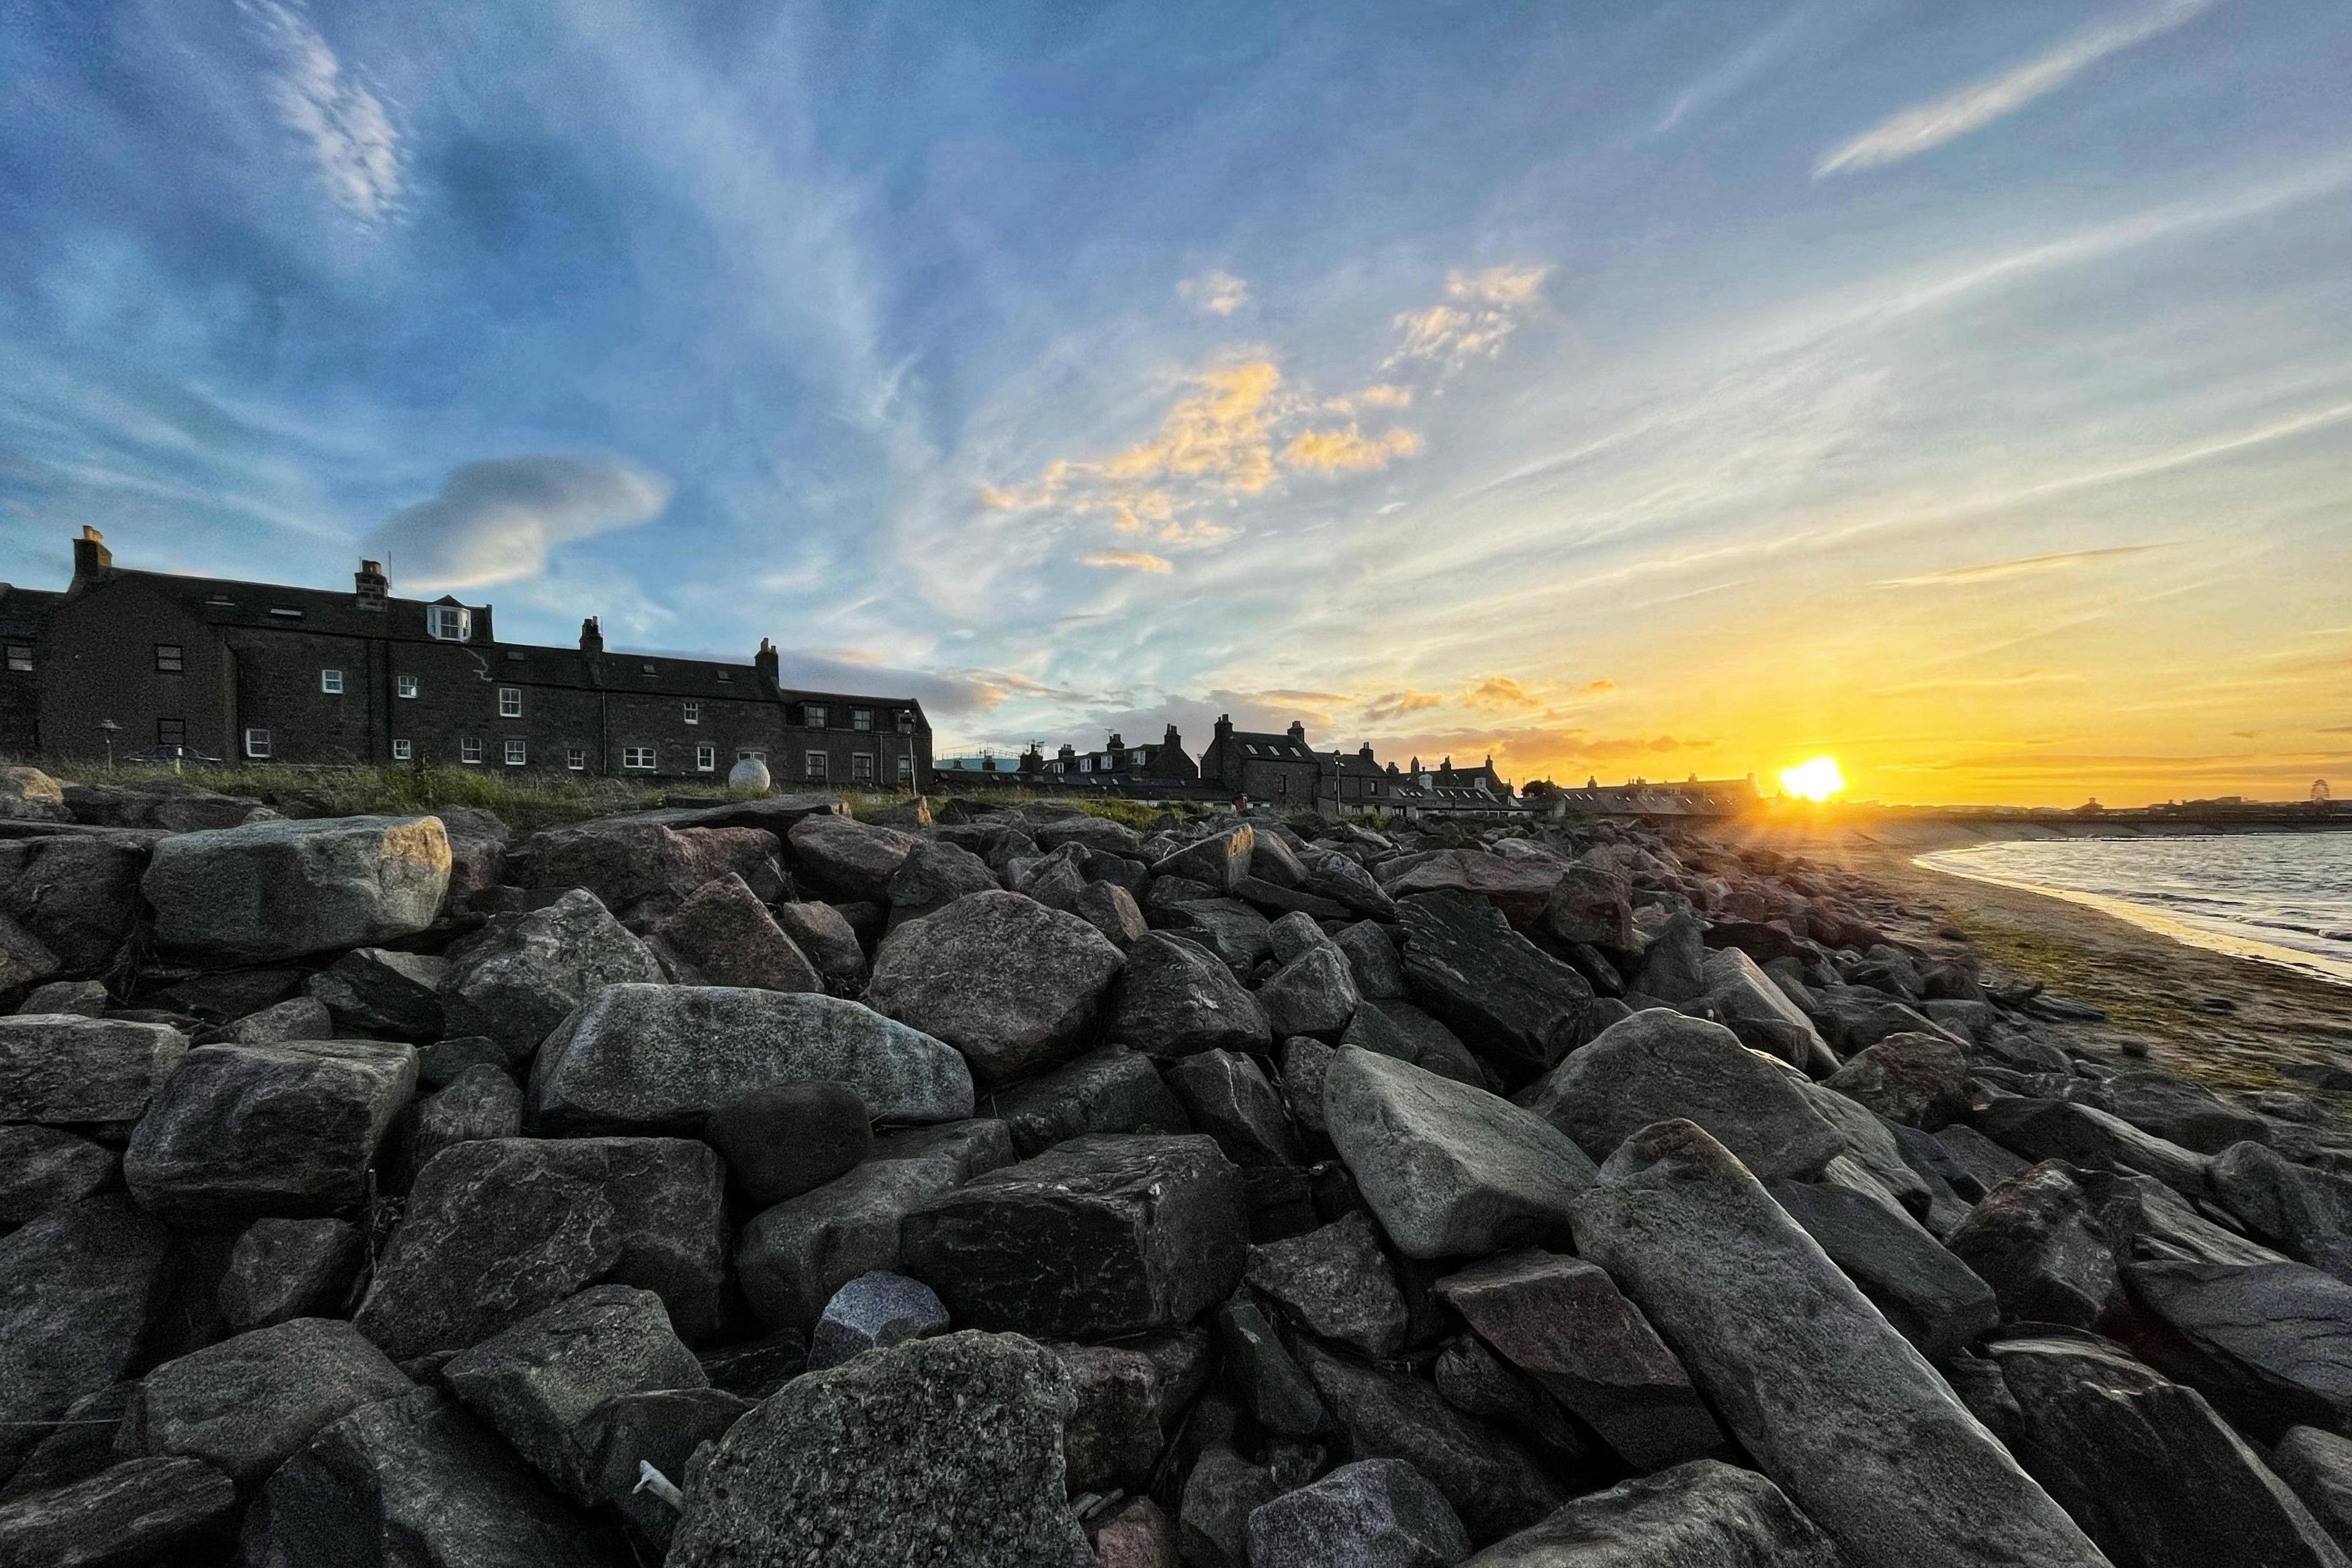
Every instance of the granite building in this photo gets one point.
(129, 662)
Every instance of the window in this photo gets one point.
(406, 686)
(330, 681)
(170, 659)
(1086, 765)
(861, 767)
(256, 744)
(171, 731)
(861, 718)
(517, 753)
(20, 656)
(724, 677)
(906, 722)
(706, 759)
(469, 750)
(286, 612)
(1281, 785)
(510, 701)
(637, 757)
(448, 623)
(906, 771)
(751, 756)
(403, 751)
(814, 764)
(576, 759)
(693, 713)
(812, 715)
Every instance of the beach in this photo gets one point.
(2231, 1022)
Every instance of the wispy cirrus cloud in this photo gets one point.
(1929, 125)
(1127, 561)
(2020, 567)
(351, 134)
(1482, 309)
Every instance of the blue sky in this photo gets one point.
(1965, 389)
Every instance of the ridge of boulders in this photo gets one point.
(744, 1182)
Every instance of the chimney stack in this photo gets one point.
(768, 664)
(592, 635)
(92, 559)
(369, 586)
(1298, 732)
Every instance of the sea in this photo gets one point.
(2285, 898)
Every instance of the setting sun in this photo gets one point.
(1815, 780)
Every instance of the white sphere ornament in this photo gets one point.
(750, 773)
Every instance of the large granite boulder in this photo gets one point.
(63, 1069)
(1919, 1080)
(848, 858)
(1506, 998)
(1374, 1513)
(133, 1512)
(2038, 1242)
(1519, 888)
(935, 875)
(1124, 1400)
(2145, 1466)
(1450, 1171)
(415, 1483)
(1109, 1089)
(1228, 1096)
(872, 1310)
(81, 1291)
(1705, 1514)
(2174, 1110)
(2084, 1135)
(77, 895)
(1220, 861)
(1213, 1521)
(249, 1403)
(1836, 1406)
(1938, 1302)
(663, 1058)
(373, 991)
(2270, 1344)
(45, 1168)
(787, 1138)
(2318, 1465)
(1313, 994)
(499, 1229)
(942, 1449)
(1659, 1065)
(279, 1269)
(1173, 997)
(1760, 1013)
(525, 973)
(1095, 1237)
(607, 1448)
(1592, 905)
(1260, 1373)
(240, 1131)
(627, 862)
(723, 935)
(1335, 1282)
(2305, 1211)
(822, 933)
(1011, 984)
(272, 890)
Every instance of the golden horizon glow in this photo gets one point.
(1817, 778)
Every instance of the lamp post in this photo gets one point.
(109, 729)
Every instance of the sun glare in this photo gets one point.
(1815, 780)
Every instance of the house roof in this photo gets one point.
(1272, 747)
(22, 610)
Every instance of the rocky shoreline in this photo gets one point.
(747, 1184)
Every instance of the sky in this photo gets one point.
(1960, 390)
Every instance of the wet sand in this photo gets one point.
(2231, 1022)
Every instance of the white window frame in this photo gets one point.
(510, 701)
(706, 758)
(906, 768)
(448, 623)
(861, 767)
(815, 715)
(814, 766)
(403, 751)
(256, 744)
(20, 656)
(170, 659)
(751, 755)
(861, 718)
(906, 722)
(469, 750)
(517, 753)
(405, 685)
(691, 713)
(638, 758)
(331, 682)
(576, 759)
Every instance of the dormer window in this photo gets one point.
(448, 623)
(286, 612)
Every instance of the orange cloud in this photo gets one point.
(1490, 306)
(1127, 561)
(1328, 451)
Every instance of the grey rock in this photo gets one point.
(499, 1229)
(66, 1068)
(1986, 1162)
(661, 1427)
(443, 1062)
(1334, 1282)
(789, 1138)
(934, 875)
(1304, 1064)
(2082, 1135)
(1870, 1148)
(279, 1269)
(1295, 935)
(2147, 1220)
(1401, 1030)
(77, 895)
(417, 1482)
(938, 1449)
(723, 935)
(1054, 881)
(2174, 1110)
(43, 1168)
(1492, 1480)
(794, 1255)
(76, 1448)
(1936, 1301)
(1838, 1408)
(1262, 1376)
(1374, 1513)
(1004, 980)
(534, 1382)
(820, 931)
(1220, 861)
(1760, 1013)
(483, 1102)
(1313, 994)
(1659, 1065)
(249, 1403)
(1673, 968)
(2318, 1465)
(1095, 1237)
(1476, 1381)
(757, 1368)
(663, 1058)
(1591, 904)
(1095, 833)
(1450, 1171)
(1703, 1514)
(637, 866)
(1136, 1533)
(1564, 1323)
(240, 1131)
(1173, 998)
(1110, 909)
(1109, 1089)
(1222, 1492)
(84, 998)
(1504, 996)
(279, 889)
(1372, 960)
(82, 1288)
(2145, 1466)
(296, 1018)
(1124, 1399)
(2036, 1240)
(524, 974)
(1240, 936)
(1920, 1081)
(849, 857)
(1518, 888)
(128, 1513)
(1335, 877)
(873, 1310)
(1228, 1098)
(2271, 1345)
(2305, 1211)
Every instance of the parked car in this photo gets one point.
(175, 755)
